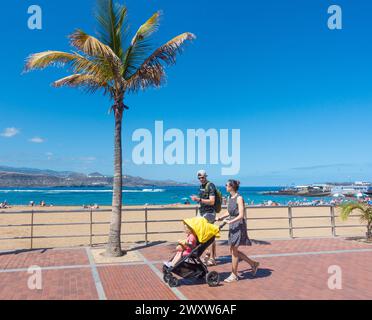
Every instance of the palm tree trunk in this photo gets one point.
(113, 248)
(369, 231)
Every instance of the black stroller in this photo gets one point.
(191, 267)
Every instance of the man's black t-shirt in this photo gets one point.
(205, 193)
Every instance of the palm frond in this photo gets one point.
(111, 19)
(151, 72)
(95, 66)
(145, 77)
(140, 46)
(46, 59)
(148, 28)
(367, 215)
(90, 45)
(78, 63)
(99, 51)
(88, 82)
(348, 208)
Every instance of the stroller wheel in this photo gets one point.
(166, 277)
(173, 282)
(213, 279)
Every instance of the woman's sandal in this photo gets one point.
(206, 258)
(211, 263)
(255, 268)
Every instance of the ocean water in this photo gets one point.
(78, 196)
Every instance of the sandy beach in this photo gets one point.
(310, 218)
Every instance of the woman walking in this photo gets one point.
(237, 230)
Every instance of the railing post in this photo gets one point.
(146, 230)
(196, 211)
(32, 229)
(333, 222)
(91, 227)
(290, 221)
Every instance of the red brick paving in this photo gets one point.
(67, 284)
(43, 258)
(280, 277)
(133, 283)
(294, 277)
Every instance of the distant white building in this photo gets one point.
(353, 189)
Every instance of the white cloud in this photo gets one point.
(10, 132)
(37, 140)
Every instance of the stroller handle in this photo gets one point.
(222, 225)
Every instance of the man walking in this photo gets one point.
(206, 200)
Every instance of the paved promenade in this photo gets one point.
(290, 269)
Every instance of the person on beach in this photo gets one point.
(206, 200)
(184, 247)
(235, 218)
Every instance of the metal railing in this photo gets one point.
(146, 221)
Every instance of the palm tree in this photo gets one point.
(106, 63)
(365, 212)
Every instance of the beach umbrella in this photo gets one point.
(360, 195)
(338, 195)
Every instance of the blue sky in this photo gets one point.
(300, 93)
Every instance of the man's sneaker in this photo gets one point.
(168, 264)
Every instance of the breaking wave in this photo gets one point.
(77, 191)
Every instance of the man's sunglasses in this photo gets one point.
(201, 177)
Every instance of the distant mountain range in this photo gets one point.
(27, 177)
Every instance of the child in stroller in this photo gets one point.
(184, 247)
(187, 264)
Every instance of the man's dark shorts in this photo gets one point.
(210, 216)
